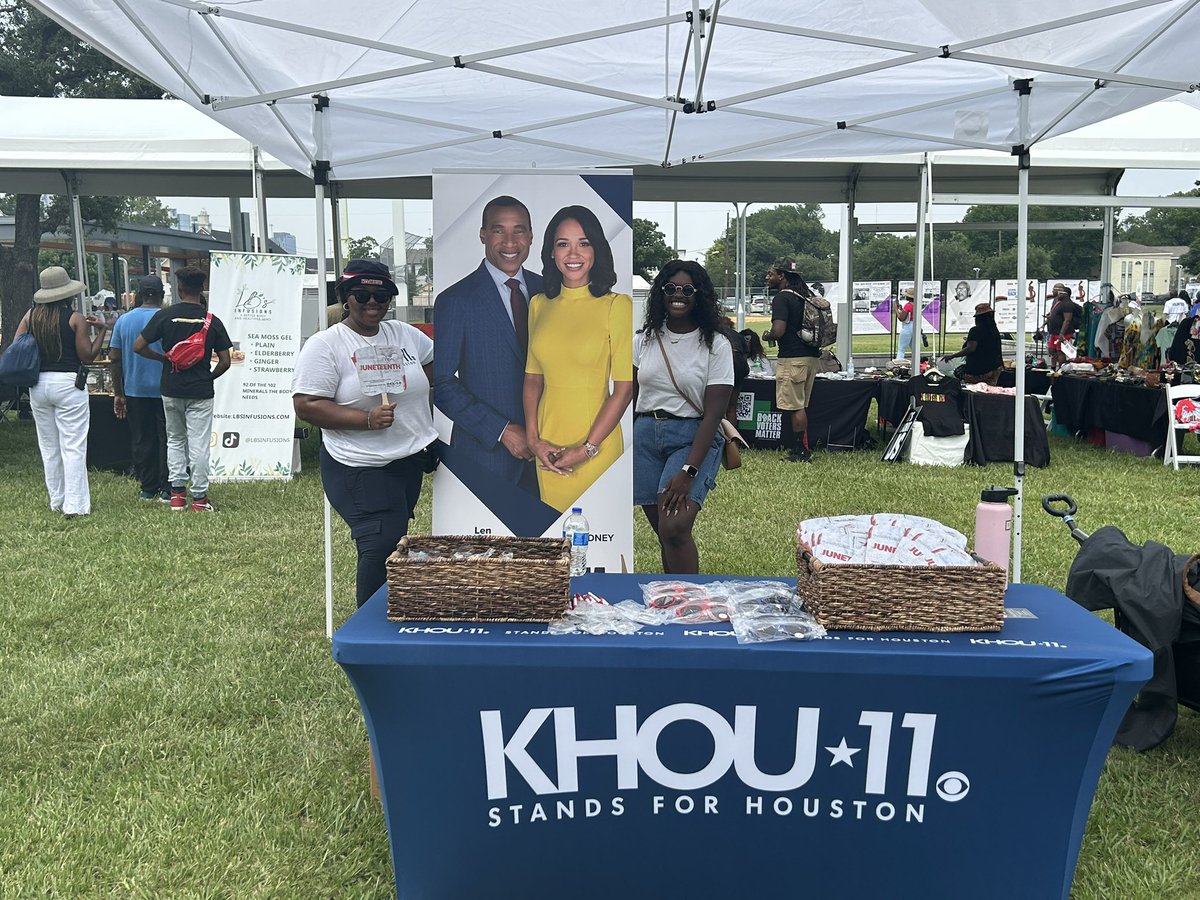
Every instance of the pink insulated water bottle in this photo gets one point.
(993, 525)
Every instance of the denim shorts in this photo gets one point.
(660, 449)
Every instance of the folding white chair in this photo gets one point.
(1176, 429)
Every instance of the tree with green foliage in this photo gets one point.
(38, 58)
(1039, 264)
(1163, 227)
(882, 256)
(650, 249)
(365, 247)
(795, 230)
(1072, 252)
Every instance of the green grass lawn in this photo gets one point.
(173, 724)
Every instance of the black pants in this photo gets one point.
(377, 504)
(148, 436)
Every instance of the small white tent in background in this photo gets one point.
(440, 84)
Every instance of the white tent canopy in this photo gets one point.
(167, 148)
(433, 84)
(398, 89)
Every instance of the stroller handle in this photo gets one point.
(1061, 506)
(1050, 499)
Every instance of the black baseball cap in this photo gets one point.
(151, 284)
(368, 273)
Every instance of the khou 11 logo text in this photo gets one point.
(882, 739)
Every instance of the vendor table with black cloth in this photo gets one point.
(1130, 409)
(991, 419)
(837, 413)
(108, 437)
(677, 763)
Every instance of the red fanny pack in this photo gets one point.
(188, 352)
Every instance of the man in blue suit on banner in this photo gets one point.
(481, 326)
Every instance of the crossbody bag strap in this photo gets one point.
(671, 374)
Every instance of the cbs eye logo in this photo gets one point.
(230, 439)
(953, 786)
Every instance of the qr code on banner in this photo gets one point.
(745, 407)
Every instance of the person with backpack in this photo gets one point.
(59, 398)
(796, 365)
(190, 335)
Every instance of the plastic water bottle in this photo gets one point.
(993, 525)
(575, 529)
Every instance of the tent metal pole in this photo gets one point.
(846, 279)
(81, 271)
(260, 200)
(741, 262)
(1110, 217)
(336, 210)
(319, 191)
(321, 178)
(919, 274)
(1023, 88)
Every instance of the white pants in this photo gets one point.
(189, 436)
(62, 416)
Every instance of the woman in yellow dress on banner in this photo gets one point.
(580, 340)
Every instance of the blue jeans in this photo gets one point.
(906, 339)
(660, 448)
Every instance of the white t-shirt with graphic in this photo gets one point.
(695, 366)
(325, 368)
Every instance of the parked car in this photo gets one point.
(757, 304)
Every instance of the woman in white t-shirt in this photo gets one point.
(683, 376)
(373, 453)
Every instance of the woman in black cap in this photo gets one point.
(58, 400)
(376, 442)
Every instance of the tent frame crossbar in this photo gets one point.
(1126, 60)
(254, 82)
(154, 42)
(1110, 201)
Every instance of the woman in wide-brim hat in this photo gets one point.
(60, 407)
(981, 350)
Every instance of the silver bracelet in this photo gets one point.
(368, 420)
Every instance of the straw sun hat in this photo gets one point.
(56, 285)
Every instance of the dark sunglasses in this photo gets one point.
(671, 289)
(362, 295)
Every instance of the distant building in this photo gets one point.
(286, 241)
(1138, 269)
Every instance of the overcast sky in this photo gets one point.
(699, 224)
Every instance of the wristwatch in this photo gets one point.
(591, 450)
(690, 471)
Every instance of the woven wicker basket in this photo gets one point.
(901, 598)
(531, 587)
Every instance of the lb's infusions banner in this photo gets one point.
(257, 297)
(533, 325)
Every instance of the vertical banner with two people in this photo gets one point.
(533, 355)
(257, 297)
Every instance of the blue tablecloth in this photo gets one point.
(678, 763)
